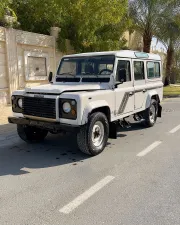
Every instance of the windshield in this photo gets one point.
(98, 66)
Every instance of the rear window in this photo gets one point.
(153, 70)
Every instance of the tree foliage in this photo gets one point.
(151, 17)
(3, 5)
(169, 34)
(8, 17)
(95, 25)
(90, 25)
(37, 16)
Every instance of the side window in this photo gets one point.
(123, 70)
(139, 70)
(153, 70)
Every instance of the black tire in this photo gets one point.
(31, 134)
(85, 136)
(150, 114)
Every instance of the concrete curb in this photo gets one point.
(171, 96)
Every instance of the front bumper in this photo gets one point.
(50, 126)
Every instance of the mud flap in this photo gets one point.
(113, 130)
(159, 114)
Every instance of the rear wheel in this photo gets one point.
(31, 134)
(93, 137)
(150, 114)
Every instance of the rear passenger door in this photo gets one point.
(139, 83)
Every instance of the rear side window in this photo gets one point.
(139, 70)
(153, 70)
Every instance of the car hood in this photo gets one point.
(60, 88)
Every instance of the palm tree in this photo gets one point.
(149, 15)
(169, 34)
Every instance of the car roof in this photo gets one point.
(121, 54)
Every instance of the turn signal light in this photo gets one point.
(73, 112)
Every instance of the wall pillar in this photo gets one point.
(12, 61)
(54, 31)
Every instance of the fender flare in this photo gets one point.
(90, 107)
(151, 94)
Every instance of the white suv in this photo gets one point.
(91, 94)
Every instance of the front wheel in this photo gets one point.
(150, 114)
(93, 137)
(31, 134)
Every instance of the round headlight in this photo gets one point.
(20, 103)
(66, 107)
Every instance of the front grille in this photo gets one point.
(39, 107)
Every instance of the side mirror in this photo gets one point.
(50, 77)
(122, 75)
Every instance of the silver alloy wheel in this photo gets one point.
(152, 113)
(97, 134)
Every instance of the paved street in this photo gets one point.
(136, 180)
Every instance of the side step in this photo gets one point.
(113, 127)
(138, 117)
(124, 124)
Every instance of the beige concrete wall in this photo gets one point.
(3, 67)
(37, 51)
(26, 60)
(4, 87)
(134, 40)
(37, 46)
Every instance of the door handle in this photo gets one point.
(144, 90)
(131, 93)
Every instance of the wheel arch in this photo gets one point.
(97, 106)
(152, 95)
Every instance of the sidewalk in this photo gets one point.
(5, 111)
(175, 85)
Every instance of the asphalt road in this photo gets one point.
(136, 180)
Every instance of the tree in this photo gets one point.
(95, 25)
(176, 68)
(8, 17)
(169, 34)
(37, 16)
(149, 15)
(3, 5)
(90, 25)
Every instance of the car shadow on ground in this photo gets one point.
(18, 157)
(56, 150)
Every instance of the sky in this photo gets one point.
(159, 46)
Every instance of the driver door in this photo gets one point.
(124, 92)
